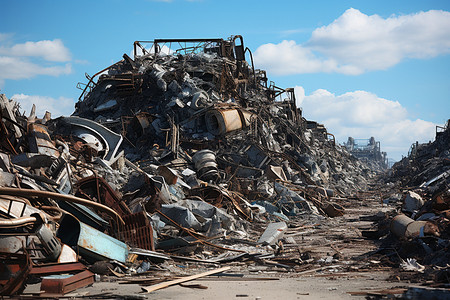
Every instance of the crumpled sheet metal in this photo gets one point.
(198, 215)
(292, 202)
(93, 131)
(223, 198)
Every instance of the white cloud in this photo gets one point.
(288, 58)
(361, 114)
(356, 43)
(21, 68)
(58, 107)
(48, 50)
(292, 31)
(31, 59)
(5, 36)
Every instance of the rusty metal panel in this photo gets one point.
(57, 268)
(60, 285)
(138, 231)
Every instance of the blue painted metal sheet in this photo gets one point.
(101, 244)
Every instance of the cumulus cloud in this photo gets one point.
(288, 58)
(20, 68)
(356, 43)
(361, 114)
(48, 50)
(30, 59)
(61, 106)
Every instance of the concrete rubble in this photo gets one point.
(187, 155)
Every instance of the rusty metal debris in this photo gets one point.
(186, 152)
(14, 269)
(55, 287)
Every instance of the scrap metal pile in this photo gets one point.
(420, 226)
(184, 152)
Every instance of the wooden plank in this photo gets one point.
(181, 280)
(318, 269)
(212, 278)
(393, 291)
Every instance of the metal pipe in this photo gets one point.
(68, 198)
(399, 225)
(405, 227)
(253, 65)
(18, 222)
(59, 211)
(220, 121)
(92, 79)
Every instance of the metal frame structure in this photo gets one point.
(233, 49)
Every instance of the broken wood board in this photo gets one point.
(184, 279)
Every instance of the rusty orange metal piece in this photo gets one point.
(97, 187)
(138, 231)
(61, 286)
(57, 268)
(14, 269)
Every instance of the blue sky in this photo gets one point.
(363, 68)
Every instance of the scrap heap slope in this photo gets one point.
(413, 227)
(184, 147)
(423, 222)
(185, 95)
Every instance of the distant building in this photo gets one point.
(367, 149)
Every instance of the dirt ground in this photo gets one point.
(340, 263)
(305, 287)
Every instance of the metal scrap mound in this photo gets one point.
(184, 147)
(417, 187)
